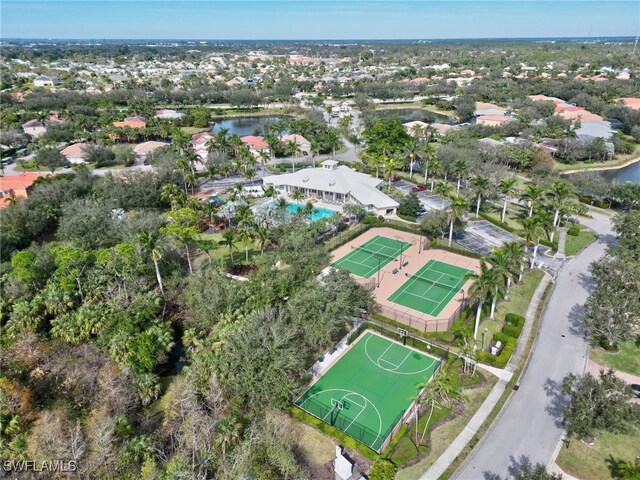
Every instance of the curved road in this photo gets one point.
(530, 424)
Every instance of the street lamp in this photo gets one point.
(484, 334)
(378, 273)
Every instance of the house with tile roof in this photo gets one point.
(17, 186)
(131, 122)
(493, 120)
(303, 143)
(75, 153)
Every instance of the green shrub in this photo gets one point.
(370, 220)
(383, 470)
(512, 330)
(514, 319)
(361, 328)
(408, 218)
(574, 230)
(509, 345)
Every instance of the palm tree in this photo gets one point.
(245, 236)
(506, 188)
(517, 255)
(504, 266)
(308, 209)
(228, 433)
(481, 290)
(558, 194)
(532, 231)
(461, 168)
(482, 187)
(148, 241)
(172, 194)
(412, 151)
(263, 156)
(438, 390)
(390, 165)
(229, 240)
(291, 149)
(180, 141)
(262, 235)
(545, 220)
(427, 156)
(532, 195)
(296, 195)
(281, 202)
(456, 212)
(444, 189)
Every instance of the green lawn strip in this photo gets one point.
(591, 462)
(443, 435)
(575, 244)
(627, 359)
(581, 166)
(317, 448)
(508, 390)
(221, 252)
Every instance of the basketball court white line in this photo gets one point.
(387, 361)
(417, 372)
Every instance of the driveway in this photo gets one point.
(530, 425)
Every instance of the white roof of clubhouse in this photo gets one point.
(332, 178)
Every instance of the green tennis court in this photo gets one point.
(431, 288)
(367, 391)
(368, 258)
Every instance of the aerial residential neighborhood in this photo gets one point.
(381, 240)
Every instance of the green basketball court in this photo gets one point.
(431, 288)
(368, 390)
(368, 258)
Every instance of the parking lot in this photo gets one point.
(429, 200)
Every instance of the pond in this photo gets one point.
(630, 173)
(246, 125)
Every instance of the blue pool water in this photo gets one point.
(317, 214)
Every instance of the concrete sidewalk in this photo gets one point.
(461, 441)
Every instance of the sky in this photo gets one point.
(316, 19)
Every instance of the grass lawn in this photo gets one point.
(221, 252)
(581, 166)
(442, 436)
(575, 244)
(591, 462)
(626, 360)
(317, 448)
(194, 130)
(514, 216)
(520, 295)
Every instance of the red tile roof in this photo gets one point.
(255, 142)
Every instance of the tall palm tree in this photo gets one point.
(481, 187)
(281, 202)
(180, 141)
(148, 241)
(545, 220)
(506, 188)
(245, 236)
(532, 231)
(390, 165)
(481, 290)
(436, 169)
(533, 195)
(262, 235)
(427, 154)
(263, 156)
(456, 212)
(229, 240)
(412, 151)
(308, 209)
(518, 255)
(461, 168)
(172, 194)
(444, 189)
(504, 266)
(559, 193)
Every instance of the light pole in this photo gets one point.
(484, 333)
(378, 273)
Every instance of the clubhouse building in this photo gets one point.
(334, 184)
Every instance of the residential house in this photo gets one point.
(143, 149)
(168, 114)
(489, 109)
(410, 127)
(35, 128)
(255, 144)
(45, 81)
(16, 186)
(131, 122)
(75, 153)
(629, 102)
(199, 142)
(303, 143)
(336, 184)
(493, 120)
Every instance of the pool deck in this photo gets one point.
(390, 282)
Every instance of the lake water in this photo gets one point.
(246, 125)
(630, 173)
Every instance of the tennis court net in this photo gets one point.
(453, 285)
(377, 253)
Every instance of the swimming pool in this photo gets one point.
(318, 213)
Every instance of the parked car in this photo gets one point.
(419, 188)
(635, 388)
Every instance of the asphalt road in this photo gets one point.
(530, 425)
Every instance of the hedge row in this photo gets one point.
(361, 328)
(514, 325)
(509, 338)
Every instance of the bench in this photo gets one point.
(394, 271)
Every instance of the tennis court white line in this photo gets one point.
(460, 283)
(406, 287)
